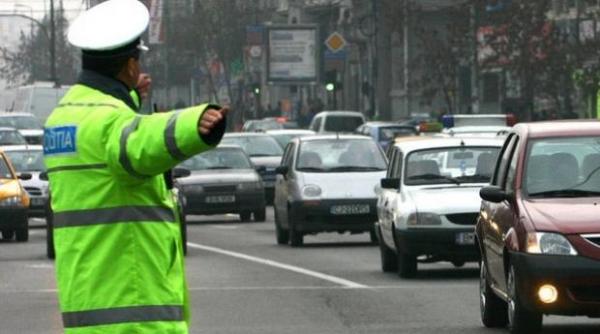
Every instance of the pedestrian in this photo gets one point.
(119, 262)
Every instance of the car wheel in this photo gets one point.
(520, 320)
(458, 264)
(296, 238)
(245, 216)
(260, 215)
(373, 236)
(183, 234)
(407, 265)
(389, 260)
(23, 234)
(281, 234)
(493, 310)
(8, 234)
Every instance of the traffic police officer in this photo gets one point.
(119, 262)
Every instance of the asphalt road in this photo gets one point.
(241, 282)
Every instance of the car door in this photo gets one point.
(497, 218)
(390, 197)
(282, 184)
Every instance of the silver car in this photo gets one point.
(27, 124)
(264, 152)
(30, 159)
(429, 201)
(10, 136)
(222, 180)
(327, 183)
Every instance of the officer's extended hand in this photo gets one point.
(143, 85)
(210, 119)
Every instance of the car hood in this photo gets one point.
(344, 185)
(220, 176)
(266, 161)
(9, 188)
(447, 200)
(556, 214)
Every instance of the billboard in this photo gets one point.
(292, 54)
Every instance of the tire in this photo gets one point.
(260, 215)
(389, 259)
(407, 265)
(296, 238)
(245, 216)
(281, 234)
(23, 234)
(493, 310)
(8, 234)
(458, 264)
(373, 236)
(520, 320)
(184, 235)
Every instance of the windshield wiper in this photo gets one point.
(433, 177)
(311, 169)
(566, 193)
(484, 178)
(354, 169)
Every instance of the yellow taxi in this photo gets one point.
(14, 202)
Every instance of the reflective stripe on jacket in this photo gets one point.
(119, 261)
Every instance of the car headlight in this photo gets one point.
(249, 186)
(549, 243)
(11, 201)
(311, 190)
(423, 218)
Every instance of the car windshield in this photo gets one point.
(340, 155)
(20, 122)
(27, 160)
(284, 138)
(5, 172)
(389, 133)
(563, 167)
(457, 165)
(11, 137)
(256, 146)
(342, 123)
(218, 159)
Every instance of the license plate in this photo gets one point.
(465, 238)
(220, 199)
(38, 201)
(358, 209)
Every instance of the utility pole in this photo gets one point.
(405, 32)
(374, 63)
(474, 59)
(53, 77)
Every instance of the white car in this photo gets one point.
(285, 136)
(429, 201)
(337, 121)
(327, 183)
(25, 123)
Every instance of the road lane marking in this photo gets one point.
(333, 279)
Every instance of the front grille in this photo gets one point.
(463, 218)
(587, 294)
(593, 239)
(33, 191)
(220, 189)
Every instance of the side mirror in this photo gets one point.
(282, 170)
(260, 169)
(493, 194)
(390, 184)
(181, 172)
(24, 176)
(44, 176)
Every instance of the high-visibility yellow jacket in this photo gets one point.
(119, 262)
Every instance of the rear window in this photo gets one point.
(342, 123)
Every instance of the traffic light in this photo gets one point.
(331, 81)
(256, 88)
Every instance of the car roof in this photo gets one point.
(8, 129)
(387, 124)
(477, 129)
(340, 113)
(333, 136)
(246, 134)
(436, 142)
(22, 148)
(20, 114)
(289, 131)
(564, 128)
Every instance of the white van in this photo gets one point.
(337, 121)
(39, 99)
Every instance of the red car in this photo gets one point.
(539, 226)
